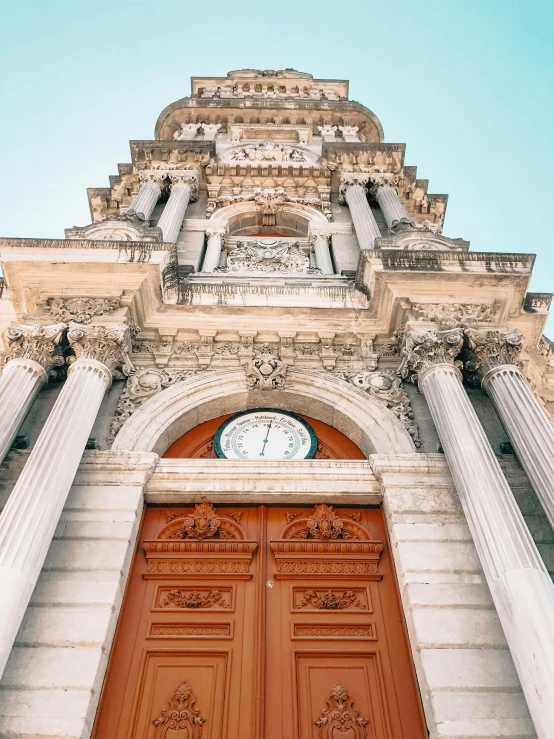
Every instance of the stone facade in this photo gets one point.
(268, 248)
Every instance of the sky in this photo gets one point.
(468, 85)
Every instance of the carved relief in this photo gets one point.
(266, 371)
(203, 523)
(312, 631)
(181, 715)
(324, 524)
(489, 348)
(425, 349)
(450, 315)
(190, 630)
(331, 601)
(268, 256)
(38, 343)
(193, 599)
(387, 388)
(340, 716)
(142, 385)
(80, 310)
(123, 227)
(268, 151)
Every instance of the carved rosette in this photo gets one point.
(340, 717)
(427, 348)
(37, 343)
(80, 310)
(490, 348)
(180, 715)
(108, 345)
(266, 371)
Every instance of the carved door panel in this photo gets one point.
(338, 662)
(186, 659)
(260, 623)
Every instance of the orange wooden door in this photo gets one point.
(261, 623)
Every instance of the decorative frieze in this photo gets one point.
(79, 310)
(268, 256)
(268, 151)
(37, 343)
(450, 315)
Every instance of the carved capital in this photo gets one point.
(489, 348)
(351, 179)
(383, 179)
(109, 345)
(37, 343)
(425, 348)
(216, 232)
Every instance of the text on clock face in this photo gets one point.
(265, 435)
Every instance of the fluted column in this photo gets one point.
(352, 190)
(322, 253)
(28, 521)
(174, 211)
(493, 355)
(216, 240)
(145, 200)
(33, 351)
(384, 190)
(520, 585)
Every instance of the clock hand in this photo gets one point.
(266, 437)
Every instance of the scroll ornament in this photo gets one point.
(425, 349)
(266, 371)
(340, 717)
(80, 310)
(490, 348)
(181, 716)
(41, 344)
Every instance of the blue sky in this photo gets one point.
(468, 85)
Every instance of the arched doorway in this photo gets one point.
(261, 621)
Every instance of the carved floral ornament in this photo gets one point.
(268, 151)
(268, 199)
(325, 524)
(268, 256)
(80, 310)
(489, 348)
(426, 348)
(339, 717)
(180, 717)
(203, 523)
(266, 371)
(106, 344)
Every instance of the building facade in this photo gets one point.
(277, 454)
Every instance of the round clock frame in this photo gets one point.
(218, 448)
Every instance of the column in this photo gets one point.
(352, 190)
(33, 351)
(172, 217)
(493, 354)
(28, 521)
(145, 200)
(520, 585)
(386, 195)
(322, 253)
(216, 240)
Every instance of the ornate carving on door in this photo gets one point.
(248, 624)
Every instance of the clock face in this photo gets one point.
(265, 434)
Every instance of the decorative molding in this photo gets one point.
(109, 345)
(339, 631)
(203, 523)
(489, 348)
(193, 599)
(190, 630)
(268, 151)
(181, 715)
(426, 348)
(80, 310)
(266, 371)
(331, 601)
(123, 227)
(340, 716)
(142, 385)
(198, 567)
(40, 344)
(388, 389)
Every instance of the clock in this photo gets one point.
(265, 433)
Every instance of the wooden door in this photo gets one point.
(261, 623)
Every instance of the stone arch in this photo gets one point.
(296, 219)
(171, 413)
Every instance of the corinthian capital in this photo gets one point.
(38, 343)
(384, 179)
(489, 348)
(351, 179)
(216, 231)
(424, 348)
(109, 345)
